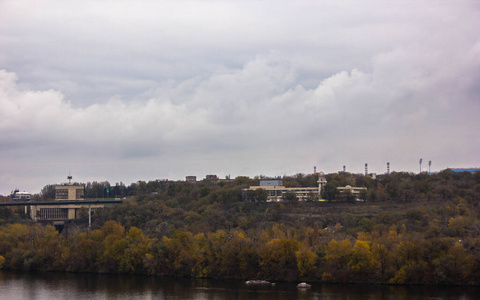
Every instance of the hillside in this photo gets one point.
(411, 229)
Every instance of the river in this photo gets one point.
(57, 286)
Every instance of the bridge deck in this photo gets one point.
(77, 202)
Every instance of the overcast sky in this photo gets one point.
(142, 90)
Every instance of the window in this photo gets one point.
(61, 194)
(53, 213)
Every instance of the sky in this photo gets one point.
(123, 90)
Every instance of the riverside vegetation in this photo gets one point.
(411, 229)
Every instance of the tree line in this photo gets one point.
(412, 229)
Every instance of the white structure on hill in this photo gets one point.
(277, 192)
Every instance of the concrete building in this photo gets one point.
(322, 181)
(354, 190)
(69, 192)
(16, 195)
(191, 179)
(60, 213)
(211, 177)
(270, 182)
(461, 170)
(277, 192)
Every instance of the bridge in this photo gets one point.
(78, 202)
(67, 210)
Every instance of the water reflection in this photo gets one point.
(56, 286)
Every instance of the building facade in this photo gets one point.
(69, 192)
(277, 192)
(60, 213)
(191, 179)
(353, 189)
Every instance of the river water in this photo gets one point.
(57, 286)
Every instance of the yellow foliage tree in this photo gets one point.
(306, 261)
(278, 259)
(362, 260)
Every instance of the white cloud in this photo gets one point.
(172, 88)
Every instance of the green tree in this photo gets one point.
(48, 193)
(329, 192)
(290, 196)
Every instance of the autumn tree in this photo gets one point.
(278, 259)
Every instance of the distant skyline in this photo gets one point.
(127, 90)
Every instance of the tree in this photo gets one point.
(48, 192)
(239, 258)
(312, 196)
(135, 253)
(290, 196)
(278, 259)
(362, 261)
(337, 255)
(329, 192)
(348, 196)
(363, 195)
(258, 195)
(306, 261)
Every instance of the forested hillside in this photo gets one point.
(411, 229)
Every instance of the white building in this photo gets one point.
(277, 192)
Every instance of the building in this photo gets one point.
(461, 170)
(211, 178)
(191, 179)
(16, 195)
(59, 213)
(69, 192)
(277, 192)
(270, 182)
(354, 190)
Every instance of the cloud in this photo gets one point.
(127, 92)
(255, 111)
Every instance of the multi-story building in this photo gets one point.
(277, 192)
(191, 179)
(212, 178)
(64, 192)
(69, 192)
(354, 190)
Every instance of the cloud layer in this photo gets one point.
(123, 92)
